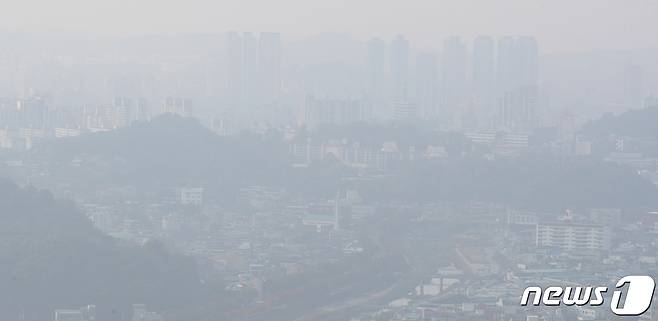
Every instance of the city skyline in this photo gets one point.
(316, 160)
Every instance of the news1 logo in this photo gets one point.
(637, 291)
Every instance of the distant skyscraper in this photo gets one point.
(427, 85)
(376, 74)
(234, 67)
(254, 69)
(483, 69)
(517, 76)
(506, 65)
(483, 76)
(528, 62)
(400, 67)
(249, 69)
(269, 66)
(453, 76)
(518, 63)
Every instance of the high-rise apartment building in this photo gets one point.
(269, 66)
(234, 68)
(376, 74)
(482, 77)
(517, 82)
(399, 65)
(453, 77)
(427, 85)
(254, 69)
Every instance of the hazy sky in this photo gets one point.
(560, 25)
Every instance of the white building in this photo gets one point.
(87, 313)
(67, 132)
(68, 315)
(140, 313)
(191, 196)
(570, 236)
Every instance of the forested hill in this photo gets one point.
(172, 151)
(167, 152)
(52, 257)
(635, 128)
(526, 182)
(639, 123)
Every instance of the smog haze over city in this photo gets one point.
(328, 160)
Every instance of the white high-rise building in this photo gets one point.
(528, 62)
(376, 75)
(249, 70)
(269, 67)
(517, 80)
(505, 65)
(483, 72)
(517, 63)
(399, 64)
(453, 78)
(254, 68)
(427, 85)
(234, 69)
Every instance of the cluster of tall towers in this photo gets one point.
(254, 68)
(493, 84)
